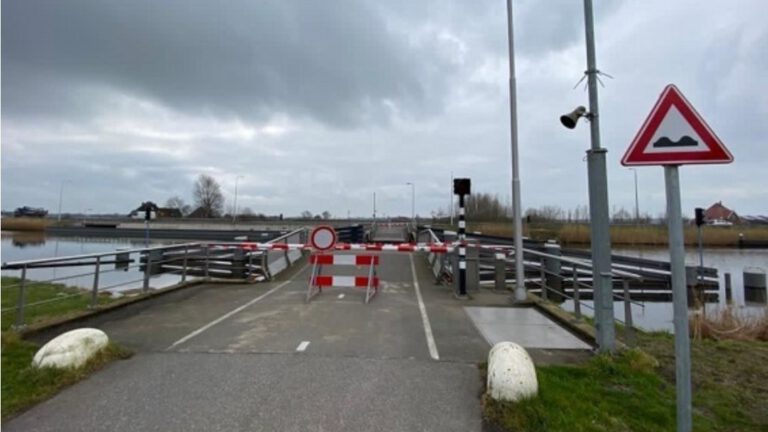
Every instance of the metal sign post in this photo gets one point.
(672, 135)
(461, 187)
(679, 298)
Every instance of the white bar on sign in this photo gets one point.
(462, 224)
(462, 251)
(463, 265)
(344, 281)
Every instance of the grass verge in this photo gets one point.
(24, 224)
(634, 391)
(24, 385)
(65, 301)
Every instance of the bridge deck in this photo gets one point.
(257, 357)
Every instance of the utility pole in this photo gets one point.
(520, 292)
(598, 203)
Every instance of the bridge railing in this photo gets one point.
(91, 280)
(549, 274)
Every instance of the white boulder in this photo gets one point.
(71, 349)
(511, 373)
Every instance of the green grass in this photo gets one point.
(72, 301)
(606, 394)
(634, 391)
(24, 385)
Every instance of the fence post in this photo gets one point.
(207, 250)
(265, 265)
(147, 273)
(184, 265)
(576, 295)
(500, 271)
(629, 331)
(553, 267)
(95, 290)
(22, 299)
(542, 278)
(287, 258)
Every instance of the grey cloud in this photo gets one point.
(332, 61)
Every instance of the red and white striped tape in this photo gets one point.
(356, 260)
(401, 247)
(345, 281)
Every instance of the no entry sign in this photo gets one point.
(323, 238)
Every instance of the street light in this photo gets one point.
(234, 215)
(61, 194)
(413, 202)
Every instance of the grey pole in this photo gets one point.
(637, 201)
(450, 207)
(520, 293)
(61, 194)
(679, 298)
(234, 216)
(598, 203)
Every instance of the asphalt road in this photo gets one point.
(257, 357)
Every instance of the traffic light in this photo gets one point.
(461, 186)
(699, 216)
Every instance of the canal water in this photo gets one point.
(17, 246)
(658, 315)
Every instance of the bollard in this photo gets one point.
(754, 286)
(95, 290)
(553, 267)
(728, 290)
(500, 271)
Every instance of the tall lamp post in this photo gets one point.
(61, 195)
(520, 293)
(413, 202)
(234, 215)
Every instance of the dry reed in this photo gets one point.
(728, 323)
(24, 224)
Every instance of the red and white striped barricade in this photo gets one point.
(317, 280)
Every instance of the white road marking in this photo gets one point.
(302, 346)
(341, 296)
(225, 316)
(424, 318)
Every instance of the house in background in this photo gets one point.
(718, 214)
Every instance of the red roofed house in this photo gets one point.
(718, 214)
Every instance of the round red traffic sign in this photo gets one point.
(323, 237)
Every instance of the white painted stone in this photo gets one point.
(511, 373)
(71, 349)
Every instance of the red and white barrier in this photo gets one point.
(317, 281)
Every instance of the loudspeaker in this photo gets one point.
(569, 120)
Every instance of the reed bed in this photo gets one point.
(24, 224)
(729, 324)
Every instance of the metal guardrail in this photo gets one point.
(547, 274)
(183, 260)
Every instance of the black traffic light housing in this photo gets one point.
(699, 216)
(461, 186)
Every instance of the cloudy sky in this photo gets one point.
(317, 105)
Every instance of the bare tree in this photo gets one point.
(177, 203)
(306, 214)
(208, 196)
(326, 215)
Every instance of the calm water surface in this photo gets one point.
(658, 315)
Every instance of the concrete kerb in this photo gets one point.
(34, 329)
(580, 329)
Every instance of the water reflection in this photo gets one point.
(24, 239)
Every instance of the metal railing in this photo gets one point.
(550, 273)
(106, 270)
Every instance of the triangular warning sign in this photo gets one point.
(675, 134)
